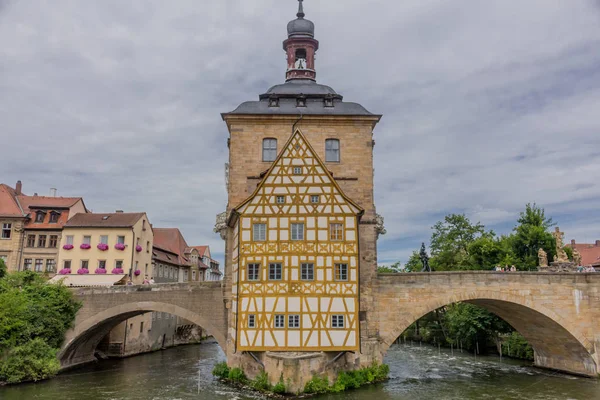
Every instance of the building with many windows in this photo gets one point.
(171, 256)
(207, 266)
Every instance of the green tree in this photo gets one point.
(531, 234)
(3, 269)
(390, 269)
(32, 310)
(414, 263)
(450, 242)
(470, 325)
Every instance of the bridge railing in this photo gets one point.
(157, 287)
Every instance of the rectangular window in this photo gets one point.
(336, 232)
(6, 231)
(297, 170)
(85, 264)
(39, 217)
(193, 275)
(147, 246)
(119, 264)
(337, 321)
(332, 150)
(293, 321)
(41, 241)
(280, 199)
(54, 217)
(253, 272)
(275, 271)
(87, 240)
(53, 242)
(315, 199)
(269, 149)
(27, 264)
(341, 272)
(259, 232)
(30, 240)
(297, 231)
(104, 239)
(251, 321)
(69, 240)
(308, 272)
(67, 264)
(280, 321)
(102, 264)
(121, 239)
(39, 265)
(50, 265)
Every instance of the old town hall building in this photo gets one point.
(301, 226)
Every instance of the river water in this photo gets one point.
(416, 373)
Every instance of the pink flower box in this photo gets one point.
(83, 271)
(120, 246)
(138, 248)
(117, 271)
(100, 271)
(64, 271)
(68, 247)
(137, 272)
(85, 246)
(102, 246)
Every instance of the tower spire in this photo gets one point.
(300, 10)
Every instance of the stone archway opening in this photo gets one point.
(81, 341)
(555, 346)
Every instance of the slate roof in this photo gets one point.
(98, 220)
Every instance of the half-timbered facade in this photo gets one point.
(296, 275)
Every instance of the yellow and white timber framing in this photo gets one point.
(287, 312)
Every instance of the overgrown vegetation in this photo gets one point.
(34, 317)
(348, 380)
(516, 346)
(459, 244)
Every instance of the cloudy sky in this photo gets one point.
(487, 105)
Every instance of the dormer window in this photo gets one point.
(273, 101)
(328, 101)
(39, 216)
(301, 101)
(54, 217)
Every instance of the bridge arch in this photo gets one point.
(82, 340)
(556, 343)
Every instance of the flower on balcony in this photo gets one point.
(117, 271)
(120, 246)
(137, 272)
(102, 246)
(100, 271)
(85, 246)
(65, 271)
(68, 247)
(83, 271)
(138, 248)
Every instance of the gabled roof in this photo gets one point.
(171, 240)
(47, 202)
(99, 220)
(9, 207)
(300, 135)
(201, 250)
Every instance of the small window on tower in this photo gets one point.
(300, 59)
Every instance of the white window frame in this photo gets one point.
(259, 232)
(69, 239)
(40, 264)
(341, 272)
(6, 231)
(315, 199)
(280, 200)
(104, 239)
(121, 239)
(332, 150)
(269, 149)
(251, 321)
(87, 239)
(338, 321)
(297, 231)
(101, 265)
(341, 232)
(50, 265)
(294, 321)
(279, 321)
(306, 270)
(275, 271)
(87, 264)
(253, 272)
(117, 265)
(297, 170)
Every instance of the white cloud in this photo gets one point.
(487, 105)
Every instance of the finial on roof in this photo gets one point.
(300, 10)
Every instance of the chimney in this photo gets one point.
(573, 243)
(19, 188)
(52, 192)
(119, 211)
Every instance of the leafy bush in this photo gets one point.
(279, 388)
(3, 268)
(221, 370)
(237, 375)
(261, 382)
(516, 346)
(33, 361)
(317, 385)
(348, 380)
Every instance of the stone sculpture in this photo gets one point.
(543, 258)
(561, 255)
(424, 259)
(576, 257)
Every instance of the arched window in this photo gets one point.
(332, 150)
(269, 149)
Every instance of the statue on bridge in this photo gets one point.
(424, 259)
(576, 257)
(543, 258)
(561, 255)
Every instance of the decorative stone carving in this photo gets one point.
(221, 225)
(543, 258)
(379, 227)
(561, 255)
(576, 257)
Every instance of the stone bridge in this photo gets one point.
(557, 313)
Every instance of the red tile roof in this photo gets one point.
(47, 202)
(590, 253)
(201, 249)
(9, 206)
(61, 205)
(171, 240)
(98, 220)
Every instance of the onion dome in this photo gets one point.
(301, 26)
